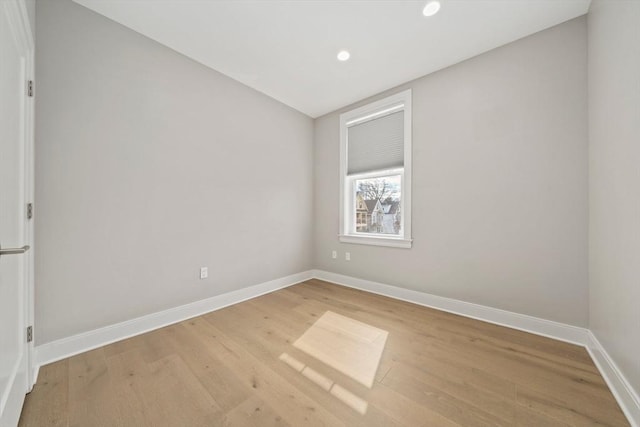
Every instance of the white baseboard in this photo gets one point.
(626, 396)
(66, 347)
(535, 325)
(624, 393)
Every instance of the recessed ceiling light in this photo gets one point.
(343, 55)
(431, 8)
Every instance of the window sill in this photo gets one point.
(376, 241)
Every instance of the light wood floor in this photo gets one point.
(224, 368)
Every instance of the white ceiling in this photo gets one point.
(287, 49)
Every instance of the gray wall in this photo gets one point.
(499, 182)
(149, 167)
(31, 13)
(614, 181)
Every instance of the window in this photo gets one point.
(375, 173)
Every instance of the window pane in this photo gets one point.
(377, 205)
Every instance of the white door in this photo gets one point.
(16, 169)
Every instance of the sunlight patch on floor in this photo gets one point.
(347, 345)
(354, 402)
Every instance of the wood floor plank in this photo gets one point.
(579, 412)
(155, 345)
(222, 384)
(92, 398)
(226, 368)
(407, 411)
(178, 398)
(526, 417)
(125, 345)
(130, 377)
(487, 408)
(253, 412)
(294, 405)
(407, 310)
(49, 400)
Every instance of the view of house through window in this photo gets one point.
(378, 205)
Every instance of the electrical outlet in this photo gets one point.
(334, 254)
(347, 256)
(204, 272)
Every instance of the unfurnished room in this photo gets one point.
(319, 213)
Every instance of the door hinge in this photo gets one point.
(29, 210)
(30, 334)
(30, 87)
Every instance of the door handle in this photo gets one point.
(13, 251)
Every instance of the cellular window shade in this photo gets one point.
(377, 144)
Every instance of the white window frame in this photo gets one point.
(348, 234)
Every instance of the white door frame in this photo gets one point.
(23, 30)
(28, 31)
(21, 27)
